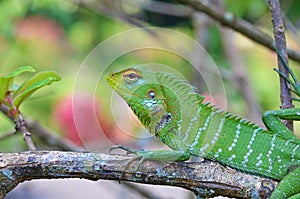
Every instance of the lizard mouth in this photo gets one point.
(121, 90)
(110, 80)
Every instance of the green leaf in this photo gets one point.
(31, 85)
(7, 80)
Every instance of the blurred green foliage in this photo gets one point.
(58, 35)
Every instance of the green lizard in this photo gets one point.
(171, 110)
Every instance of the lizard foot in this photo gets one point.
(138, 153)
(293, 82)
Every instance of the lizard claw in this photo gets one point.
(125, 148)
(293, 82)
(129, 151)
(294, 85)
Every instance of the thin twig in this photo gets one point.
(21, 127)
(280, 43)
(240, 76)
(50, 138)
(5, 110)
(43, 134)
(162, 7)
(239, 25)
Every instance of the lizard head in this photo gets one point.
(142, 92)
(163, 102)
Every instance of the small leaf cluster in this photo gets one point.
(12, 95)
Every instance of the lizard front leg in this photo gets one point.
(160, 155)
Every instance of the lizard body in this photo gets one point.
(171, 110)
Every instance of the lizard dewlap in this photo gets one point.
(172, 111)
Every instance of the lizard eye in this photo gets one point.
(131, 76)
(151, 94)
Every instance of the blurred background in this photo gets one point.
(59, 35)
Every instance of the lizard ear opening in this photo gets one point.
(131, 76)
(151, 94)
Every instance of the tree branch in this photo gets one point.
(205, 179)
(162, 7)
(245, 28)
(50, 138)
(280, 43)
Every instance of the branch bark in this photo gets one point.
(245, 28)
(280, 43)
(205, 179)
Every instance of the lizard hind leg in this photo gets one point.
(289, 186)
